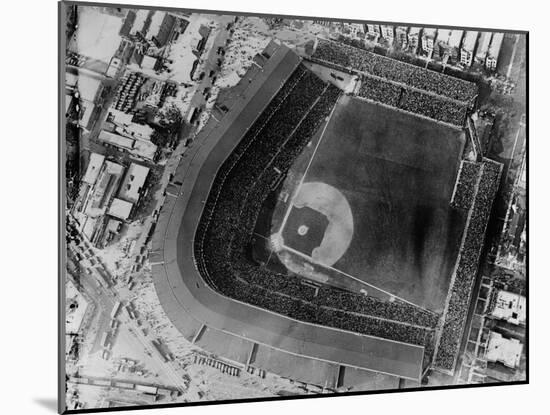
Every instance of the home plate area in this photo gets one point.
(319, 224)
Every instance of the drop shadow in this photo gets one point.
(48, 403)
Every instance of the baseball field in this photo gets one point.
(396, 173)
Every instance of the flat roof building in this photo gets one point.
(494, 51)
(468, 47)
(93, 169)
(483, 46)
(505, 351)
(120, 209)
(387, 32)
(133, 183)
(428, 39)
(116, 140)
(510, 307)
(138, 147)
(413, 38)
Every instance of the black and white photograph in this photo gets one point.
(269, 207)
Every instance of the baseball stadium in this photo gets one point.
(329, 234)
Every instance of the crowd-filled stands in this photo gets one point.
(242, 184)
(433, 107)
(411, 100)
(380, 91)
(466, 181)
(409, 75)
(466, 271)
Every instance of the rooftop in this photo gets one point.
(94, 167)
(470, 39)
(505, 351)
(510, 307)
(496, 43)
(133, 182)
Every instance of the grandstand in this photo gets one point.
(204, 275)
(402, 85)
(483, 179)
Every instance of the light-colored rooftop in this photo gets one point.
(510, 307)
(496, 43)
(156, 23)
(141, 16)
(505, 351)
(455, 38)
(148, 62)
(120, 209)
(94, 167)
(116, 140)
(133, 182)
(483, 45)
(469, 42)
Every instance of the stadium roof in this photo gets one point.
(190, 302)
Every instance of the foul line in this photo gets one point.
(354, 278)
(287, 214)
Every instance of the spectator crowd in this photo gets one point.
(361, 60)
(244, 181)
(466, 271)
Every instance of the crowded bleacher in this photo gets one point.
(465, 187)
(361, 60)
(411, 100)
(470, 251)
(243, 183)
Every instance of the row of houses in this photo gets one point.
(458, 46)
(108, 195)
(152, 26)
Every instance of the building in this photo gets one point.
(133, 183)
(401, 36)
(135, 130)
(428, 40)
(502, 350)
(468, 47)
(140, 148)
(120, 209)
(448, 42)
(88, 91)
(161, 28)
(483, 47)
(114, 66)
(353, 30)
(99, 186)
(373, 31)
(104, 188)
(94, 167)
(150, 63)
(387, 33)
(494, 50)
(510, 307)
(413, 38)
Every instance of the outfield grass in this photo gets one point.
(397, 172)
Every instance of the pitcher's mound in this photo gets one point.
(329, 203)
